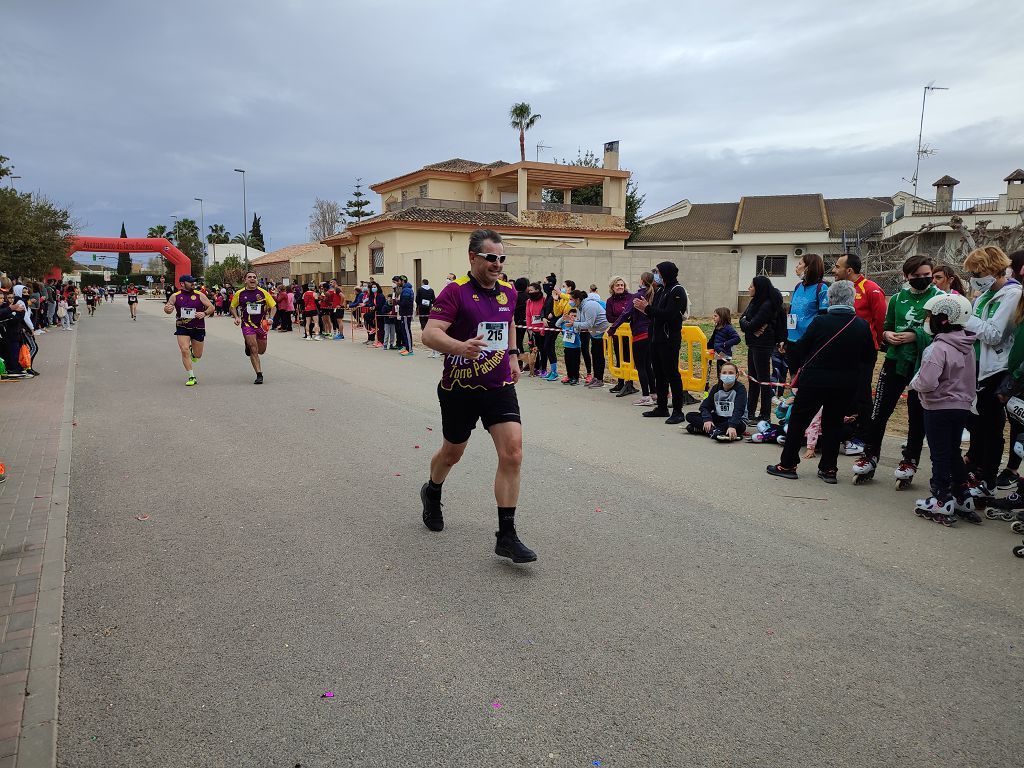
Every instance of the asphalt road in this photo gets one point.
(686, 610)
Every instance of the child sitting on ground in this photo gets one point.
(722, 414)
(570, 347)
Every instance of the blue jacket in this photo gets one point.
(407, 301)
(723, 340)
(807, 302)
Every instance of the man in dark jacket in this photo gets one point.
(828, 360)
(424, 301)
(666, 310)
(406, 307)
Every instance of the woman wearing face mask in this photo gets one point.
(536, 325)
(906, 339)
(992, 323)
(620, 301)
(827, 359)
(592, 319)
(519, 316)
(722, 412)
(666, 310)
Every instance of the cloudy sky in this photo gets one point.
(129, 110)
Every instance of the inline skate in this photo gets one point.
(905, 474)
(937, 510)
(967, 508)
(1018, 551)
(864, 469)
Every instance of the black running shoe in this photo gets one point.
(828, 475)
(432, 517)
(780, 471)
(657, 412)
(1006, 480)
(675, 418)
(508, 545)
(259, 378)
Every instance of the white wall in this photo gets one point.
(217, 253)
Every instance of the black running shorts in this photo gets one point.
(461, 408)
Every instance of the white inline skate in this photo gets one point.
(932, 508)
(905, 474)
(864, 469)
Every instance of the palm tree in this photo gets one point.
(159, 231)
(218, 234)
(242, 240)
(522, 121)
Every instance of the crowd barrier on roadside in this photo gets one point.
(693, 367)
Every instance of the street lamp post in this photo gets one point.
(245, 218)
(177, 241)
(12, 178)
(202, 225)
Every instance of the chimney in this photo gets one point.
(611, 156)
(944, 192)
(1015, 186)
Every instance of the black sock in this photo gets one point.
(506, 519)
(434, 489)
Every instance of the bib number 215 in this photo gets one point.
(495, 335)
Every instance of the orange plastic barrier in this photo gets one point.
(622, 343)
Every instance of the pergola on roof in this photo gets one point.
(548, 175)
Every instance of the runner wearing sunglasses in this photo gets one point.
(471, 324)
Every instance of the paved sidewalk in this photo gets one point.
(35, 444)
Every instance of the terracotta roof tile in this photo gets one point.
(705, 221)
(458, 165)
(849, 213)
(286, 254)
(780, 213)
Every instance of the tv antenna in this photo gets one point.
(923, 149)
(541, 145)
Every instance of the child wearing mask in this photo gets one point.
(570, 346)
(945, 384)
(722, 414)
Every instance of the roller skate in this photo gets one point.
(905, 474)
(978, 487)
(864, 469)
(1018, 551)
(967, 508)
(932, 508)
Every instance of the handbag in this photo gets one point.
(25, 357)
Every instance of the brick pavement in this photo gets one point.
(35, 444)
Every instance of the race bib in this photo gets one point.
(537, 320)
(254, 308)
(132, 299)
(569, 336)
(1015, 409)
(724, 407)
(791, 322)
(495, 335)
(425, 302)
(188, 313)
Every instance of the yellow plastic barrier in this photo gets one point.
(694, 369)
(621, 341)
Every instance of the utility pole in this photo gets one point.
(245, 218)
(541, 145)
(202, 230)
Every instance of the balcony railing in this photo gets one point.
(563, 208)
(962, 205)
(457, 205)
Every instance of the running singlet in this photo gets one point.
(186, 305)
(133, 297)
(252, 305)
(473, 310)
(309, 301)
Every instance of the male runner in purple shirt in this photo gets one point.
(471, 324)
(191, 308)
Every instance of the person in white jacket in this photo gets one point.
(992, 323)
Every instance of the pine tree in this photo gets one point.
(124, 260)
(358, 207)
(256, 234)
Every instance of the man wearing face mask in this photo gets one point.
(992, 323)
(906, 339)
(666, 310)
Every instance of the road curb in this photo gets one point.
(38, 743)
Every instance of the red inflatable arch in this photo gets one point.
(182, 265)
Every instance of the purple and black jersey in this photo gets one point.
(473, 310)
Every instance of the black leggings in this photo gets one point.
(986, 430)
(949, 473)
(644, 365)
(423, 321)
(572, 363)
(585, 350)
(521, 341)
(891, 386)
(597, 353)
(549, 347)
(759, 367)
(666, 361)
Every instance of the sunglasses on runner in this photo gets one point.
(493, 257)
